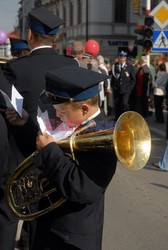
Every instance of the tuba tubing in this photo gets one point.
(130, 139)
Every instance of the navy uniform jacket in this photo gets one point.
(123, 79)
(79, 221)
(10, 157)
(27, 74)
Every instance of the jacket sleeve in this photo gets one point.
(76, 182)
(25, 137)
(5, 85)
(4, 146)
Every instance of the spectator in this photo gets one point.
(143, 82)
(159, 92)
(77, 51)
(108, 98)
(87, 59)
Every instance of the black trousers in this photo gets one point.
(8, 223)
(158, 102)
(142, 105)
(51, 242)
(121, 103)
(43, 239)
(7, 236)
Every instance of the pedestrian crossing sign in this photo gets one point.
(160, 41)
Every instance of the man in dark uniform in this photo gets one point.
(78, 223)
(123, 81)
(18, 48)
(10, 157)
(27, 73)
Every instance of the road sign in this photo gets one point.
(160, 33)
(160, 41)
(160, 13)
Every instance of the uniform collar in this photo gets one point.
(41, 47)
(123, 65)
(92, 117)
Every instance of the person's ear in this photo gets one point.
(29, 35)
(85, 109)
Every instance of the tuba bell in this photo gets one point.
(27, 188)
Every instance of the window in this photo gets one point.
(120, 11)
(79, 12)
(70, 14)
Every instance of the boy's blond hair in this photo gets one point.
(77, 105)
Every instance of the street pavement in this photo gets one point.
(136, 205)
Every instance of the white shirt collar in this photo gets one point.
(123, 64)
(92, 117)
(41, 47)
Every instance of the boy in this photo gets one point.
(78, 223)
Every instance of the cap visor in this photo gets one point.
(44, 98)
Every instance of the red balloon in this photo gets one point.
(92, 47)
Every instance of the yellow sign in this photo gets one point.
(135, 6)
(160, 13)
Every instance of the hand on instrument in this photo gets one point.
(43, 139)
(14, 119)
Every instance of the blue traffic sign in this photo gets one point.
(160, 41)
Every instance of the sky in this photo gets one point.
(8, 14)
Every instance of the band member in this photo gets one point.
(123, 81)
(10, 157)
(27, 73)
(19, 47)
(78, 223)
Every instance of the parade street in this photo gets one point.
(136, 207)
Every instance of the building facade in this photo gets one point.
(110, 22)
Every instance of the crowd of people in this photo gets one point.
(133, 84)
(74, 90)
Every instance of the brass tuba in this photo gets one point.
(27, 188)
